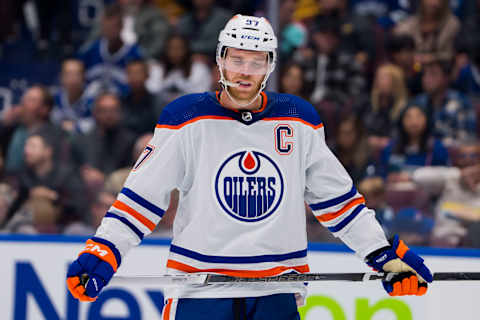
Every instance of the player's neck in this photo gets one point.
(228, 103)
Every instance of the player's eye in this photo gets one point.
(258, 65)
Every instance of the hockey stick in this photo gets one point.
(205, 279)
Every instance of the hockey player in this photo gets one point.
(244, 161)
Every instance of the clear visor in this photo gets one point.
(243, 65)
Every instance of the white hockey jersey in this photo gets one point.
(243, 178)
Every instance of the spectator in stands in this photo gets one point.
(143, 23)
(33, 113)
(106, 58)
(180, 74)
(452, 114)
(141, 109)
(351, 147)
(332, 69)
(201, 26)
(7, 127)
(434, 28)
(414, 147)
(468, 81)
(38, 214)
(340, 10)
(293, 33)
(98, 208)
(333, 108)
(7, 196)
(47, 177)
(401, 53)
(458, 192)
(470, 31)
(107, 147)
(115, 180)
(2, 167)
(11, 15)
(413, 225)
(373, 190)
(73, 104)
(466, 42)
(55, 27)
(358, 33)
(292, 80)
(173, 9)
(388, 97)
(385, 13)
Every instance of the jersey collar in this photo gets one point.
(247, 116)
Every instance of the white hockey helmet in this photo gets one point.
(247, 33)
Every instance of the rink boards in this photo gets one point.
(33, 271)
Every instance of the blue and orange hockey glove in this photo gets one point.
(93, 269)
(413, 275)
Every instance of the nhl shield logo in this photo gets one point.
(249, 186)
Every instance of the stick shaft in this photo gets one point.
(204, 279)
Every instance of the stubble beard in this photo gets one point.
(244, 96)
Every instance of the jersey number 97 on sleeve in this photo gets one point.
(147, 152)
(283, 145)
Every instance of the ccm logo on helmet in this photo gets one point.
(249, 186)
(249, 37)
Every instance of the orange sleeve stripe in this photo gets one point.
(101, 251)
(179, 126)
(332, 215)
(166, 311)
(402, 249)
(237, 273)
(294, 119)
(122, 206)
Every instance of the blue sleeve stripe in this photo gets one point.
(349, 218)
(112, 247)
(334, 201)
(141, 201)
(251, 259)
(127, 223)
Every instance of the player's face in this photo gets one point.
(247, 68)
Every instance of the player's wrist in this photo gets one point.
(103, 250)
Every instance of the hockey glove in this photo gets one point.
(412, 275)
(93, 269)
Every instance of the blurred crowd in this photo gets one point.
(396, 83)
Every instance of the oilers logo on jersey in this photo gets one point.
(249, 186)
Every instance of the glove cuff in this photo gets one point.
(375, 254)
(104, 250)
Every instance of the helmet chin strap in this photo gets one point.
(225, 84)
